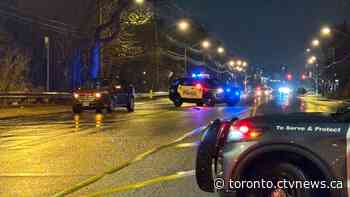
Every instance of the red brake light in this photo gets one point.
(243, 130)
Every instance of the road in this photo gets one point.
(43, 155)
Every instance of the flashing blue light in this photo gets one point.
(237, 93)
(228, 89)
(200, 75)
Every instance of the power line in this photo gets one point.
(38, 17)
(28, 20)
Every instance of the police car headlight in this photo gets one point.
(220, 90)
(98, 95)
(76, 95)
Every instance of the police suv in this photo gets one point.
(292, 155)
(202, 90)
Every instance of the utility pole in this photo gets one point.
(157, 48)
(47, 46)
(185, 59)
(100, 22)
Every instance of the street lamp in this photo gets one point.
(139, 2)
(315, 43)
(312, 60)
(326, 31)
(221, 50)
(183, 25)
(205, 44)
(231, 63)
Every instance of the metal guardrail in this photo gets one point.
(16, 98)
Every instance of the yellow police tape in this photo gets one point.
(140, 157)
(160, 179)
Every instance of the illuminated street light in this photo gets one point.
(244, 64)
(205, 44)
(239, 69)
(232, 63)
(326, 31)
(221, 50)
(139, 1)
(239, 63)
(183, 25)
(312, 60)
(315, 43)
(308, 50)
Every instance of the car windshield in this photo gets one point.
(110, 97)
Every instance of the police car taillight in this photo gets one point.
(243, 130)
(199, 86)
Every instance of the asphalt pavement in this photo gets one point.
(150, 152)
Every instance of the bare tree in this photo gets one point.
(13, 69)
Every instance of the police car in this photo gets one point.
(202, 90)
(283, 149)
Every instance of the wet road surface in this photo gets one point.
(42, 155)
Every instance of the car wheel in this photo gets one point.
(131, 105)
(279, 172)
(200, 104)
(110, 107)
(178, 102)
(76, 109)
(206, 156)
(210, 102)
(99, 110)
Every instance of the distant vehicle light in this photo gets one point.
(98, 95)
(258, 92)
(284, 90)
(220, 90)
(76, 95)
(118, 87)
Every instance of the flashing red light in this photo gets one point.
(289, 77)
(199, 86)
(243, 130)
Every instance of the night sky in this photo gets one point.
(267, 32)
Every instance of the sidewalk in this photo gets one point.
(21, 111)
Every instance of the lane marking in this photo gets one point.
(140, 157)
(139, 185)
(188, 145)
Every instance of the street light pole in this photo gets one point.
(185, 61)
(47, 46)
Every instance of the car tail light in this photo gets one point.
(199, 86)
(76, 95)
(243, 130)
